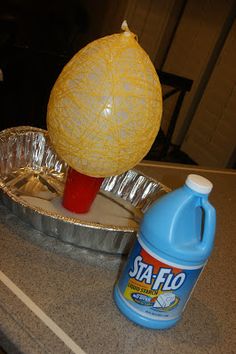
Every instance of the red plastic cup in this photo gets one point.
(80, 191)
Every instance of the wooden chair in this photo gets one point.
(178, 86)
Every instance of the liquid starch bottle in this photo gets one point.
(175, 239)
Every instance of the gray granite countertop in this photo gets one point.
(73, 287)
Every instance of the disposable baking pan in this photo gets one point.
(32, 180)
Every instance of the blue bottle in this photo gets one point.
(175, 239)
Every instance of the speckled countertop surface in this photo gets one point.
(74, 288)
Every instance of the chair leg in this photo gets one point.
(172, 124)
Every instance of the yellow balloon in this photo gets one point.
(105, 108)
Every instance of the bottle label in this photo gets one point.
(154, 287)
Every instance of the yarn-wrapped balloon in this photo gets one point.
(105, 108)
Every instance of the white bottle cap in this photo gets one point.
(199, 184)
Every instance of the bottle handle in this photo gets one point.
(209, 225)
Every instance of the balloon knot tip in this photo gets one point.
(124, 26)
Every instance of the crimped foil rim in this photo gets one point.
(70, 220)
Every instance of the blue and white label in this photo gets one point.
(154, 287)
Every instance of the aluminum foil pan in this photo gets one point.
(32, 180)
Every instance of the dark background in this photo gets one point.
(37, 38)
